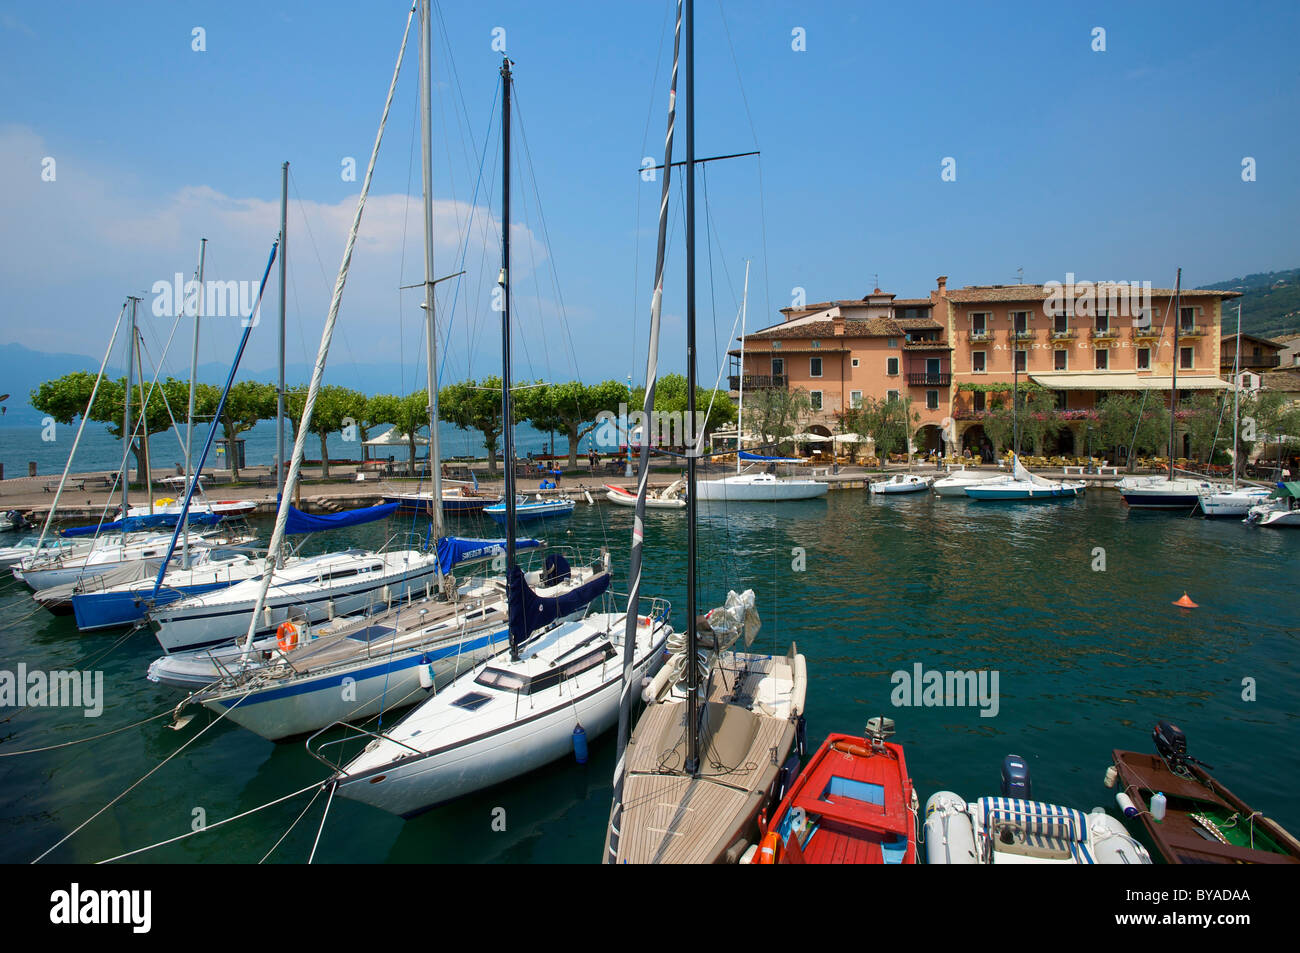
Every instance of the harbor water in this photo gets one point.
(1068, 604)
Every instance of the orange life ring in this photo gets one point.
(286, 636)
(846, 748)
(769, 849)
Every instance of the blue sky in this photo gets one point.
(1123, 164)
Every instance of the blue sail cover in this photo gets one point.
(300, 522)
(529, 611)
(458, 549)
(746, 455)
(133, 523)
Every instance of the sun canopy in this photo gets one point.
(810, 438)
(746, 455)
(453, 550)
(151, 521)
(300, 522)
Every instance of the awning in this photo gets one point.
(810, 438)
(1124, 380)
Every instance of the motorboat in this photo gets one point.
(956, 482)
(538, 508)
(61, 567)
(902, 483)
(455, 499)
(853, 803)
(669, 498)
(1228, 502)
(1163, 493)
(1014, 829)
(1279, 510)
(1189, 816)
(26, 548)
(759, 487)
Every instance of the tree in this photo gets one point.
(1201, 416)
(1123, 422)
(775, 413)
(570, 408)
(247, 403)
(890, 423)
(335, 407)
(65, 398)
(474, 406)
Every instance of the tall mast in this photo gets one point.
(279, 393)
(507, 410)
(1236, 372)
(692, 765)
(740, 409)
(189, 424)
(1173, 383)
(144, 425)
(127, 433)
(1015, 398)
(431, 332)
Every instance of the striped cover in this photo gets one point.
(1046, 825)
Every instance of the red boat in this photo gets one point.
(852, 804)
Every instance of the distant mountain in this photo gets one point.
(1270, 303)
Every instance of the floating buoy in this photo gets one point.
(580, 744)
(1111, 775)
(426, 673)
(1126, 804)
(1185, 603)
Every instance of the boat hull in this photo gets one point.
(528, 512)
(773, 492)
(1023, 494)
(111, 610)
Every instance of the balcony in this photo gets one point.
(1146, 334)
(1191, 331)
(1104, 334)
(1064, 335)
(934, 345)
(979, 337)
(929, 380)
(1248, 361)
(759, 381)
(1025, 335)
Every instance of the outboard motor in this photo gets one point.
(1171, 743)
(1015, 777)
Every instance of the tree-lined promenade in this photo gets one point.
(569, 409)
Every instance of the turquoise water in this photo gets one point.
(1087, 661)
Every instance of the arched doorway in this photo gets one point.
(929, 439)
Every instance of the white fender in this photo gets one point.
(799, 690)
(949, 830)
(1111, 843)
(659, 683)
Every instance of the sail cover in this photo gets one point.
(453, 550)
(300, 522)
(529, 611)
(133, 523)
(746, 455)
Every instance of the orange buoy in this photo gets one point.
(286, 636)
(1185, 603)
(769, 851)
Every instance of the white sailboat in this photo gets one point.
(956, 482)
(901, 483)
(755, 486)
(669, 498)
(712, 748)
(522, 708)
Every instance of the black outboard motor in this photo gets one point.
(1015, 777)
(1171, 743)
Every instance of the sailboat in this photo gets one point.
(556, 685)
(1237, 501)
(755, 486)
(352, 667)
(669, 498)
(713, 747)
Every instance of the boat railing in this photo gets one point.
(660, 609)
(357, 729)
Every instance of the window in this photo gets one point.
(891, 395)
(893, 342)
(1060, 323)
(978, 402)
(855, 398)
(816, 344)
(776, 345)
(1061, 360)
(932, 400)
(1020, 321)
(1061, 402)
(1144, 359)
(816, 397)
(1103, 322)
(1103, 359)
(778, 367)
(978, 362)
(978, 323)
(1022, 359)
(1186, 319)
(1185, 359)
(815, 367)
(891, 366)
(855, 362)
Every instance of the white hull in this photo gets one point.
(759, 487)
(69, 569)
(955, 485)
(499, 741)
(1232, 503)
(224, 615)
(901, 484)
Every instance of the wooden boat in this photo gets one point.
(1203, 822)
(852, 804)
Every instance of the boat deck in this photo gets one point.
(672, 818)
